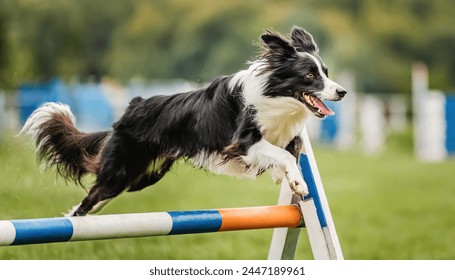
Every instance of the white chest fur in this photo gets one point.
(280, 119)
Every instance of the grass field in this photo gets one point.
(384, 207)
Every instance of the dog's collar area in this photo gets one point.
(315, 105)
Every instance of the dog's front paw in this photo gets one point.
(297, 184)
(299, 188)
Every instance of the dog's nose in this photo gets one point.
(341, 92)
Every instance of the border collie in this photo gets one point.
(240, 125)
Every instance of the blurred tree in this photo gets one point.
(385, 37)
(59, 38)
(182, 40)
(199, 40)
(3, 49)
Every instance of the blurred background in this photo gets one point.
(385, 157)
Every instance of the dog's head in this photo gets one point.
(296, 70)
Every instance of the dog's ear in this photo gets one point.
(277, 44)
(303, 41)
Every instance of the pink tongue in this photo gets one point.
(322, 108)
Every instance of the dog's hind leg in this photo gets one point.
(110, 184)
(99, 195)
(81, 208)
(122, 164)
(151, 178)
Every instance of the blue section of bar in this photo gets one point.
(35, 231)
(195, 221)
(309, 179)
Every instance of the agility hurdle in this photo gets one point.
(35, 231)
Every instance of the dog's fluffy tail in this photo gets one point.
(59, 143)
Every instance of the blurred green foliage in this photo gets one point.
(198, 40)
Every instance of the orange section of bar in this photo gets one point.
(260, 217)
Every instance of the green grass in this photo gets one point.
(388, 206)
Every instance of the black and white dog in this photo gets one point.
(240, 125)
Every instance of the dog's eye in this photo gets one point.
(309, 76)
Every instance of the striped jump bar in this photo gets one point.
(48, 230)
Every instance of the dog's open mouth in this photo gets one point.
(315, 105)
